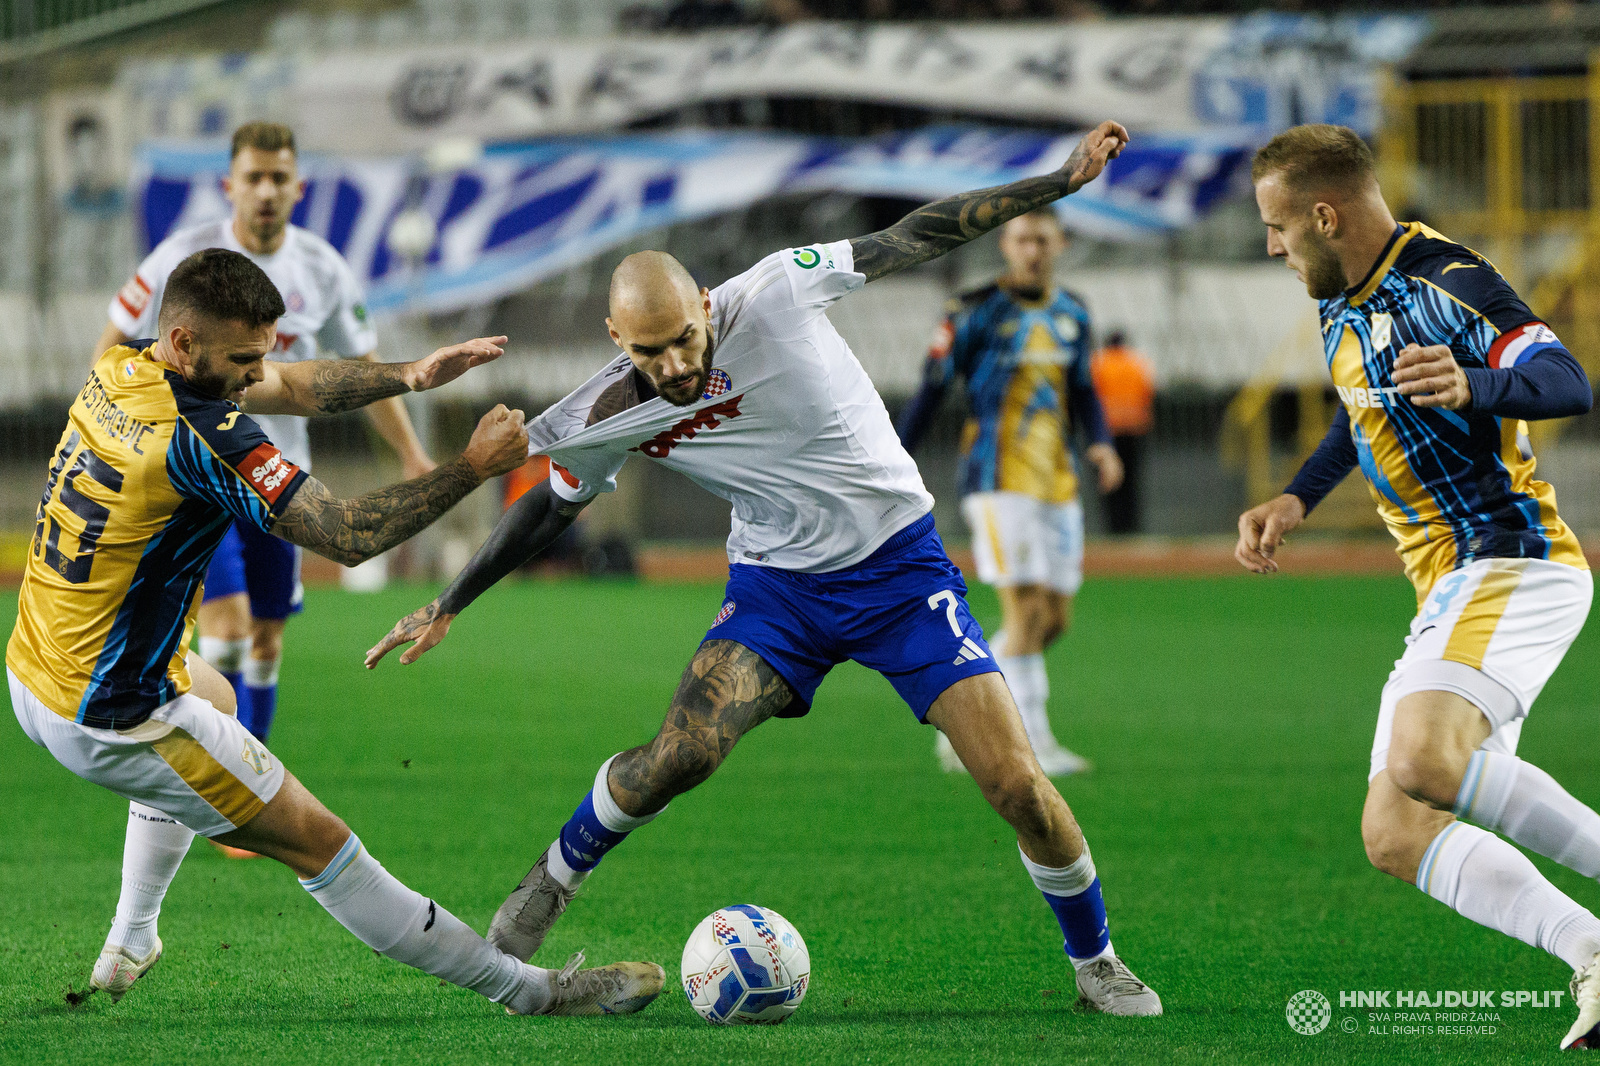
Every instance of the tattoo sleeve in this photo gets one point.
(344, 384)
(727, 691)
(931, 231)
(528, 527)
(353, 531)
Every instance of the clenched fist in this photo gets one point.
(499, 445)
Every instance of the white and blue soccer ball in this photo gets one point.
(745, 965)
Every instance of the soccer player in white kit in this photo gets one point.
(833, 554)
(253, 584)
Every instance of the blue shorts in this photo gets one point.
(902, 612)
(260, 564)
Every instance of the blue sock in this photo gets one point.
(585, 838)
(597, 826)
(1083, 921)
(1073, 893)
(259, 702)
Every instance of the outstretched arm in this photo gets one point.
(930, 231)
(528, 527)
(353, 531)
(330, 386)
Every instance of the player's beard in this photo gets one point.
(1324, 273)
(693, 391)
(205, 378)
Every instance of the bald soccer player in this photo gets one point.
(750, 392)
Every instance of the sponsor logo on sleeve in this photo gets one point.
(227, 423)
(267, 471)
(807, 258)
(134, 296)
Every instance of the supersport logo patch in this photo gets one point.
(658, 446)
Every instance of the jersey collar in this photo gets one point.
(1402, 234)
(230, 241)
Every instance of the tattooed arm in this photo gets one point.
(353, 531)
(527, 528)
(931, 231)
(329, 386)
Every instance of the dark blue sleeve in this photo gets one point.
(1334, 458)
(219, 455)
(1547, 383)
(1083, 404)
(936, 374)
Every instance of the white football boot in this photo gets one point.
(1585, 1032)
(523, 920)
(115, 970)
(620, 988)
(1057, 761)
(1109, 987)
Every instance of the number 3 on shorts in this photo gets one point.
(947, 598)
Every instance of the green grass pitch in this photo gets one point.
(1230, 722)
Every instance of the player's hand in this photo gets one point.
(447, 364)
(426, 625)
(1432, 377)
(1262, 529)
(1108, 464)
(1099, 146)
(416, 464)
(499, 445)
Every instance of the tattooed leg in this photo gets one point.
(727, 691)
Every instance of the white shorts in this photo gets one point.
(1018, 540)
(188, 760)
(1492, 632)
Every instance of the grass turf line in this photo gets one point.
(1229, 721)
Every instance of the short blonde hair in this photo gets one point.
(1314, 157)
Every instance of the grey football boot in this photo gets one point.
(1108, 986)
(525, 918)
(620, 988)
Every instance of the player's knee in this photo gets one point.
(681, 765)
(1425, 774)
(266, 642)
(1387, 847)
(1021, 797)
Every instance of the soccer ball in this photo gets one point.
(745, 965)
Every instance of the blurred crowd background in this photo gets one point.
(484, 164)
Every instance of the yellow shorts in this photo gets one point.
(188, 760)
(1491, 632)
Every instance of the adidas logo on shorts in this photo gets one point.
(970, 652)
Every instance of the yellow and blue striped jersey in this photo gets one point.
(144, 483)
(1452, 486)
(1026, 366)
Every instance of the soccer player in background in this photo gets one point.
(1439, 365)
(1021, 346)
(750, 391)
(253, 585)
(158, 459)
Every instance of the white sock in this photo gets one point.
(151, 854)
(260, 673)
(1487, 880)
(226, 655)
(1030, 686)
(408, 927)
(1516, 798)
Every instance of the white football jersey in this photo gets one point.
(320, 291)
(790, 429)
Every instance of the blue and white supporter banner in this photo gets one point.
(522, 213)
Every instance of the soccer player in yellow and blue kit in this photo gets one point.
(1022, 347)
(1438, 366)
(157, 461)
